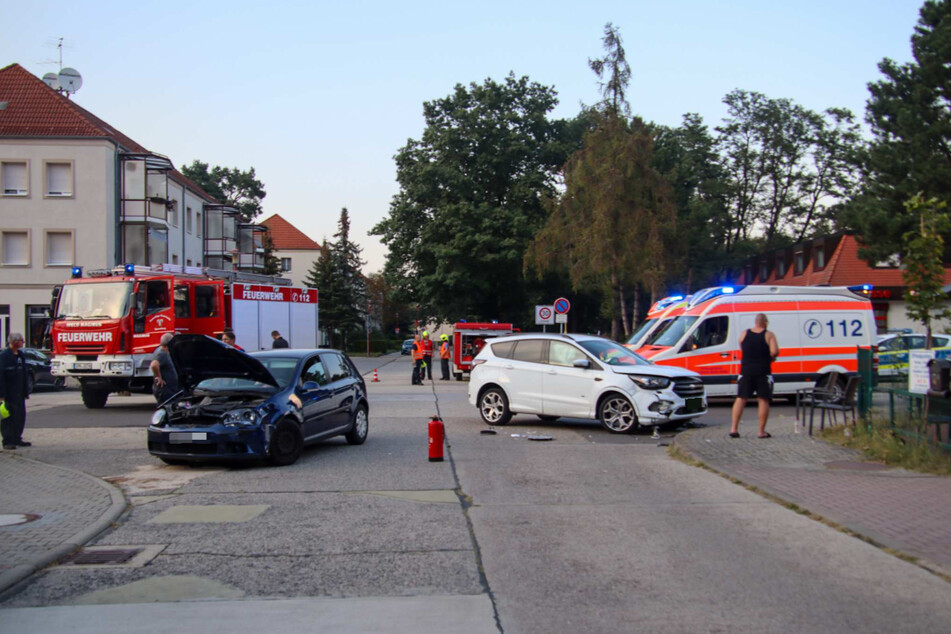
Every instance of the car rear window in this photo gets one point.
(503, 349)
(529, 350)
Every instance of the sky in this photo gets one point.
(319, 96)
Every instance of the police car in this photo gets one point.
(893, 350)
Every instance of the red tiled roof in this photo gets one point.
(843, 268)
(286, 236)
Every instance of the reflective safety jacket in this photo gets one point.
(444, 350)
(417, 350)
(427, 347)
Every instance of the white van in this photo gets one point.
(819, 330)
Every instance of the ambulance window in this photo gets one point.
(206, 301)
(182, 309)
(504, 349)
(710, 332)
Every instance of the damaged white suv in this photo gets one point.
(580, 376)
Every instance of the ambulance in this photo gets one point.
(819, 330)
(658, 317)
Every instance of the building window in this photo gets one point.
(800, 263)
(198, 224)
(188, 262)
(174, 258)
(59, 180)
(188, 220)
(59, 248)
(820, 258)
(780, 267)
(763, 271)
(173, 215)
(15, 248)
(37, 318)
(285, 265)
(15, 178)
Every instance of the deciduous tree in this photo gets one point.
(229, 186)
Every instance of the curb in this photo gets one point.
(11, 577)
(869, 536)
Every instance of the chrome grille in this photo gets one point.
(688, 386)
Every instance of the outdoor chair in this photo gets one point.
(809, 396)
(847, 404)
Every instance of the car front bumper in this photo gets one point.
(208, 442)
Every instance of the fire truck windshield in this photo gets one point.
(102, 300)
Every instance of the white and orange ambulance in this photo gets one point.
(819, 330)
(658, 317)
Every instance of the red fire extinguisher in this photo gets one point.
(437, 434)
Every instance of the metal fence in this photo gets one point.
(904, 413)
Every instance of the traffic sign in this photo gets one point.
(561, 318)
(544, 315)
(562, 305)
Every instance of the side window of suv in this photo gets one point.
(504, 349)
(561, 353)
(710, 332)
(530, 350)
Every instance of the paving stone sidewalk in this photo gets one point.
(906, 511)
(67, 508)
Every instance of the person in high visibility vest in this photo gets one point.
(444, 357)
(417, 361)
(428, 354)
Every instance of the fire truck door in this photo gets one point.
(153, 315)
(209, 318)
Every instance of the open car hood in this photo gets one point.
(199, 357)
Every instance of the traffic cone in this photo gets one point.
(376, 379)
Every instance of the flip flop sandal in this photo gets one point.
(734, 434)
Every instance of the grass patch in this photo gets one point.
(879, 442)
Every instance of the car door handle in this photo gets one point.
(598, 378)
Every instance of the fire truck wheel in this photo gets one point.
(617, 414)
(361, 425)
(494, 407)
(95, 399)
(286, 444)
(458, 375)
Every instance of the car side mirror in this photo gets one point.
(582, 363)
(309, 386)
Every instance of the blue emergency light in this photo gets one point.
(862, 289)
(130, 269)
(728, 290)
(77, 271)
(676, 298)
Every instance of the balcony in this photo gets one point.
(221, 233)
(144, 203)
(251, 247)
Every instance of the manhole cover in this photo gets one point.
(18, 518)
(856, 466)
(103, 557)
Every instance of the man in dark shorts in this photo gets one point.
(165, 384)
(759, 348)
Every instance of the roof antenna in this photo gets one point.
(67, 81)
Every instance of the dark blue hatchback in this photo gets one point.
(263, 405)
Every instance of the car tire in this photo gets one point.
(95, 399)
(360, 427)
(286, 446)
(617, 414)
(837, 388)
(547, 418)
(59, 382)
(494, 407)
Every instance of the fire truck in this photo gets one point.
(107, 324)
(468, 339)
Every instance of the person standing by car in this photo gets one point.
(444, 356)
(428, 347)
(417, 361)
(166, 378)
(228, 338)
(759, 348)
(279, 341)
(13, 392)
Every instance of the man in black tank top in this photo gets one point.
(759, 348)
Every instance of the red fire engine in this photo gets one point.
(468, 339)
(108, 324)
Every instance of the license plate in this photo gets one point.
(694, 405)
(177, 438)
(82, 366)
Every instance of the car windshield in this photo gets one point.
(640, 332)
(103, 300)
(657, 334)
(675, 331)
(281, 368)
(612, 353)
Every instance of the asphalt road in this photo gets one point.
(587, 532)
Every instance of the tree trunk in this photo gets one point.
(616, 291)
(625, 319)
(636, 312)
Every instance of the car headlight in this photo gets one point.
(241, 418)
(158, 418)
(651, 382)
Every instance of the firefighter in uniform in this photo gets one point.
(427, 354)
(417, 361)
(444, 357)
(13, 392)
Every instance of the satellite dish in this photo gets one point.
(51, 80)
(70, 80)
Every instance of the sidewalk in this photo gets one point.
(67, 508)
(907, 512)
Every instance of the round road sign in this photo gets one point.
(544, 312)
(562, 305)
